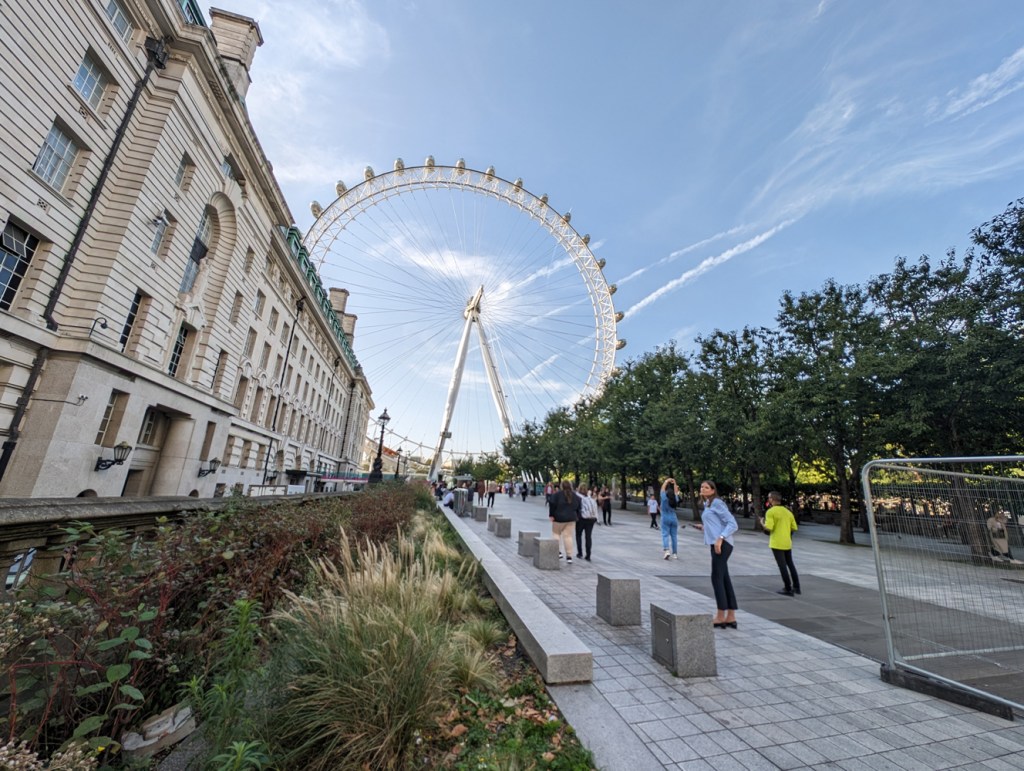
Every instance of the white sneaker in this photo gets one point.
(568, 559)
(667, 554)
(675, 556)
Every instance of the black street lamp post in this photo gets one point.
(398, 462)
(376, 474)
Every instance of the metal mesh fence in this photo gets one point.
(947, 538)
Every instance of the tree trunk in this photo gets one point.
(625, 490)
(755, 489)
(845, 520)
(691, 483)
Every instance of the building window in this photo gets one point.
(250, 256)
(162, 223)
(261, 300)
(110, 423)
(285, 329)
(273, 319)
(265, 356)
(154, 424)
(199, 249)
(119, 19)
(183, 177)
(178, 351)
(56, 157)
(91, 82)
(240, 391)
(130, 319)
(218, 372)
(250, 343)
(236, 308)
(191, 12)
(17, 247)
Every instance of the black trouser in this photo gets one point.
(784, 559)
(584, 526)
(525, 491)
(490, 499)
(606, 513)
(725, 598)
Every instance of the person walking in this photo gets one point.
(492, 490)
(669, 519)
(652, 508)
(718, 525)
(564, 511)
(524, 491)
(604, 501)
(781, 524)
(586, 522)
(481, 490)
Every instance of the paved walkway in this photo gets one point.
(782, 698)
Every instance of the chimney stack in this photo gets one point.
(237, 38)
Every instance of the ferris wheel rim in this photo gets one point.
(376, 188)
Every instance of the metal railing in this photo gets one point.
(947, 535)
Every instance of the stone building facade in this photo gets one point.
(154, 294)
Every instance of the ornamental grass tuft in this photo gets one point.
(367, 659)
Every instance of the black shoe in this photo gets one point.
(731, 625)
(720, 625)
(796, 590)
(787, 592)
(579, 556)
(587, 558)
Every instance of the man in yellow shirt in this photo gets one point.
(781, 524)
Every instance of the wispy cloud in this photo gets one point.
(331, 33)
(988, 88)
(680, 252)
(706, 265)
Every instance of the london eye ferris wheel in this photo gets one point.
(478, 305)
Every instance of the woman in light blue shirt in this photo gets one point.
(719, 524)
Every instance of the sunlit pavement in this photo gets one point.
(782, 698)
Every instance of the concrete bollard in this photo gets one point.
(491, 517)
(545, 554)
(618, 598)
(526, 545)
(479, 513)
(685, 643)
(503, 527)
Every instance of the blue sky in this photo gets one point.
(718, 153)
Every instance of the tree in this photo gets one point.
(835, 364)
(742, 384)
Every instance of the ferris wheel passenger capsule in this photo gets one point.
(567, 217)
(612, 289)
(619, 316)
(368, 173)
(316, 208)
(586, 239)
(399, 164)
(518, 182)
(460, 164)
(620, 344)
(544, 198)
(601, 263)
(429, 163)
(340, 188)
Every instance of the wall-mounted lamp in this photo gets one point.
(101, 321)
(160, 220)
(211, 465)
(121, 452)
